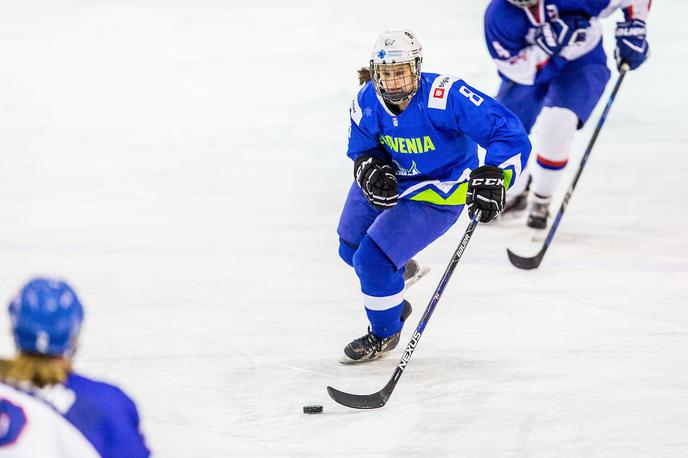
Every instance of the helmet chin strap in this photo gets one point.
(397, 98)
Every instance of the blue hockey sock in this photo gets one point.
(382, 286)
(384, 323)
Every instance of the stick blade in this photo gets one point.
(526, 263)
(359, 401)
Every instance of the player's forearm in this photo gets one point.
(632, 9)
(509, 151)
(522, 68)
(512, 162)
(531, 67)
(636, 9)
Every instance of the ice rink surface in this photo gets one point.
(183, 165)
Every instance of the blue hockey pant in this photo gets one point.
(378, 243)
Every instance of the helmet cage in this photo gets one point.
(409, 88)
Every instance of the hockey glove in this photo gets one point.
(486, 192)
(631, 45)
(377, 181)
(557, 34)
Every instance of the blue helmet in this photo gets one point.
(46, 318)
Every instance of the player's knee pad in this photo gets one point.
(553, 132)
(347, 251)
(378, 275)
(553, 135)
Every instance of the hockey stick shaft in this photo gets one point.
(380, 398)
(448, 272)
(534, 262)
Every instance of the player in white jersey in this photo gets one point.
(47, 410)
(550, 57)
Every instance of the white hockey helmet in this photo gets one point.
(395, 49)
(523, 3)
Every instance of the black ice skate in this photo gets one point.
(539, 212)
(413, 272)
(370, 346)
(515, 206)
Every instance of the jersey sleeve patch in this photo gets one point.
(439, 91)
(355, 112)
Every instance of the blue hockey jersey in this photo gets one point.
(433, 143)
(510, 34)
(81, 418)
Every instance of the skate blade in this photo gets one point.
(345, 360)
(538, 235)
(422, 272)
(510, 215)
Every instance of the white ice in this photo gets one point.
(183, 165)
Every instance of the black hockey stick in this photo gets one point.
(379, 399)
(533, 262)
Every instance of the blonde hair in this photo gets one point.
(39, 370)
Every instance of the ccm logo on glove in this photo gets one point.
(486, 192)
(487, 181)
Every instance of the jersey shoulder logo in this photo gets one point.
(439, 91)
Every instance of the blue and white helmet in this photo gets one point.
(392, 49)
(46, 318)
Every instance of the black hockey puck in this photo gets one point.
(312, 409)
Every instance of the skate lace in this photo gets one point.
(373, 341)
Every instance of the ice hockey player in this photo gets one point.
(413, 140)
(553, 67)
(47, 410)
